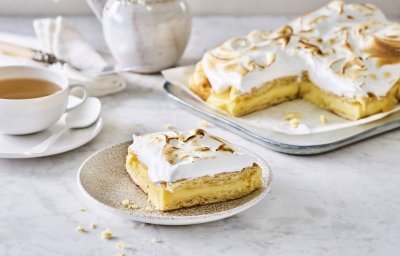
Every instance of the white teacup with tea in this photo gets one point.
(32, 99)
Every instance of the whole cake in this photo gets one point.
(343, 57)
(190, 168)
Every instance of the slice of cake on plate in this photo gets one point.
(343, 57)
(183, 169)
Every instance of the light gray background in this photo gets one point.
(199, 7)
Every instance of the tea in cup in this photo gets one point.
(32, 98)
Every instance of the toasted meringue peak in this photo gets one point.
(345, 48)
(385, 51)
(171, 156)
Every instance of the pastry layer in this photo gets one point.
(348, 108)
(269, 94)
(289, 88)
(167, 196)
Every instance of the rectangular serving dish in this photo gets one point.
(291, 144)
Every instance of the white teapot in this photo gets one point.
(147, 35)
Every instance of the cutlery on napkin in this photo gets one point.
(50, 59)
(59, 38)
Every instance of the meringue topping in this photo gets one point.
(385, 51)
(172, 156)
(350, 50)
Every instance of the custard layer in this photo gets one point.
(200, 191)
(352, 109)
(289, 88)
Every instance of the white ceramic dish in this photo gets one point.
(14, 146)
(292, 144)
(104, 180)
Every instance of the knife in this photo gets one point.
(28, 53)
(49, 59)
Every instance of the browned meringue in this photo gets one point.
(345, 48)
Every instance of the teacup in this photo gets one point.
(19, 115)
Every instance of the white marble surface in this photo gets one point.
(342, 203)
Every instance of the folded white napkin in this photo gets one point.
(59, 37)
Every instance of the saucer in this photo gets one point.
(105, 181)
(14, 146)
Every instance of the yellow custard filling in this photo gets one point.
(289, 88)
(204, 190)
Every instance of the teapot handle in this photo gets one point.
(97, 7)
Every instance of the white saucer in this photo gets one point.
(105, 181)
(12, 146)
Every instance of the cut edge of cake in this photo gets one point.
(289, 88)
(167, 196)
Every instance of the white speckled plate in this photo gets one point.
(14, 146)
(104, 180)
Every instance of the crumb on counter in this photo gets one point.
(106, 234)
(168, 126)
(120, 244)
(294, 122)
(204, 124)
(323, 119)
(80, 229)
(82, 210)
(119, 254)
(290, 116)
(93, 225)
(155, 240)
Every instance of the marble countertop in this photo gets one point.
(344, 202)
